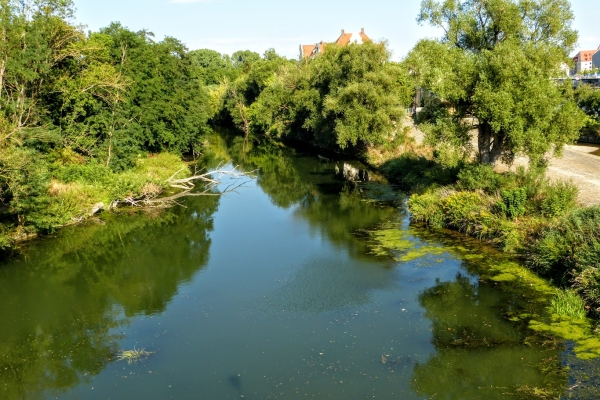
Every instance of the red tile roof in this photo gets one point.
(310, 50)
(344, 38)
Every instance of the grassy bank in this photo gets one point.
(522, 213)
(69, 189)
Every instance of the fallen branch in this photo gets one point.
(209, 179)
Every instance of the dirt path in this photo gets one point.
(580, 164)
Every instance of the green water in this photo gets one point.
(285, 289)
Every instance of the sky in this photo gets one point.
(230, 25)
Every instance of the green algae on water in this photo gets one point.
(587, 344)
(400, 244)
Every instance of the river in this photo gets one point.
(297, 285)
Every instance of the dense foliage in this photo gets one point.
(568, 250)
(78, 107)
(491, 70)
(588, 99)
(349, 97)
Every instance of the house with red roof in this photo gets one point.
(312, 50)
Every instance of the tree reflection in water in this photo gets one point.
(62, 301)
(480, 354)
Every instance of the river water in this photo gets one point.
(297, 285)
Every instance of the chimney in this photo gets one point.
(343, 33)
(362, 30)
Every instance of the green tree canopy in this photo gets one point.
(166, 108)
(212, 66)
(495, 62)
(348, 97)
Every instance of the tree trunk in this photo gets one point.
(490, 143)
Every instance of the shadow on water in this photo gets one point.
(236, 382)
(480, 354)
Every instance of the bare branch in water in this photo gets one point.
(209, 180)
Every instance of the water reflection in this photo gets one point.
(63, 300)
(332, 206)
(480, 354)
(296, 300)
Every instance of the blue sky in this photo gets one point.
(230, 25)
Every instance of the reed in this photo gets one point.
(567, 303)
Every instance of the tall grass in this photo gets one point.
(567, 303)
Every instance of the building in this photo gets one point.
(566, 70)
(312, 50)
(596, 59)
(583, 60)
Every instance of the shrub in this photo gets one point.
(412, 172)
(532, 179)
(463, 210)
(568, 247)
(5, 239)
(558, 198)
(91, 172)
(513, 202)
(427, 208)
(479, 177)
(587, 284)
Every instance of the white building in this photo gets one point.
(584, 61)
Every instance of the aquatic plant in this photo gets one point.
(567, 303)
(133, 356)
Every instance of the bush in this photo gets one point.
(532, 179)
(569, 247)
(513, 202)
(427, 208)
(90, 172)
(558, 198)
(413, 173)
(463, 210)
(5, 239)
(480, 177)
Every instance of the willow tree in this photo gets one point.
(349, 98)
(493, 67)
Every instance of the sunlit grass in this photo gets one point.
(568, 304)
(133, 356)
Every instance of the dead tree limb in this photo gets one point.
(209, 180)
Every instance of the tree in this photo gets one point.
(349, 97)
(212, 66)
(244, 59)
(495, 62)
(166, 106)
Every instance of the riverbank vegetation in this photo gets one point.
(98, 117)
(480, 112)
(84, 116)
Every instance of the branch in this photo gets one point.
(187, 185)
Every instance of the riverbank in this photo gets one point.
(532, 214)
(74, 190)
